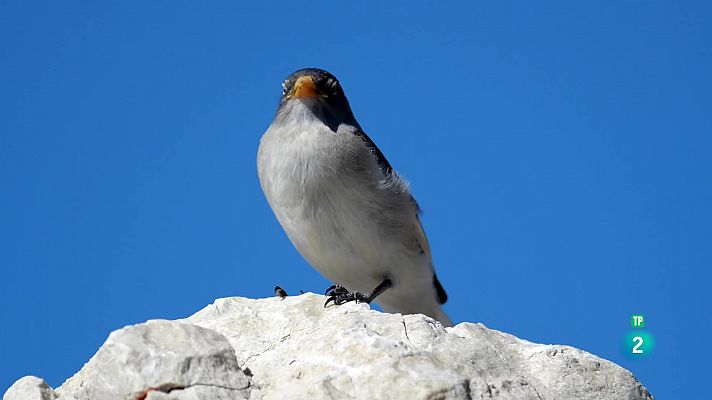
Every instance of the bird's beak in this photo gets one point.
(304, 87)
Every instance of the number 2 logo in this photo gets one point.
(639, 341)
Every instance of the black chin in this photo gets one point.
(330, 115)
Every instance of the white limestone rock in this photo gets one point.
(161, 360)
(30, 388)
(297, 349)
(240, 348)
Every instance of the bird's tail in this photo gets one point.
(442, 317)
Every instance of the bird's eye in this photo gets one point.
(285, 87)
(330, 87)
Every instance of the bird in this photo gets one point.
(341, 203)
(279, 292)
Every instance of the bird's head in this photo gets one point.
(317, 92)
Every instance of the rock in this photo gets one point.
(30, 388)
(161, 360)
(296, 348)
(241, 348)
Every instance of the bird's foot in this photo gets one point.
(340, 295)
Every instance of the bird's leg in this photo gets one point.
(340, 295)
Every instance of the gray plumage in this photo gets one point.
(341, 203)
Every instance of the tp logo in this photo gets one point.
(638, 343)
(637, 321)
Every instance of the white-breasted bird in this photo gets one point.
(341, 203)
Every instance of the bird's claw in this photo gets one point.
(331, 288)
(340, 295)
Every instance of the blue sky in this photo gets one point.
(560, 151)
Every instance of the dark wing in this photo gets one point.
(390, 174)
(386, 167)
(382, 162)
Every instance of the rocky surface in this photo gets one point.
(240, 348)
